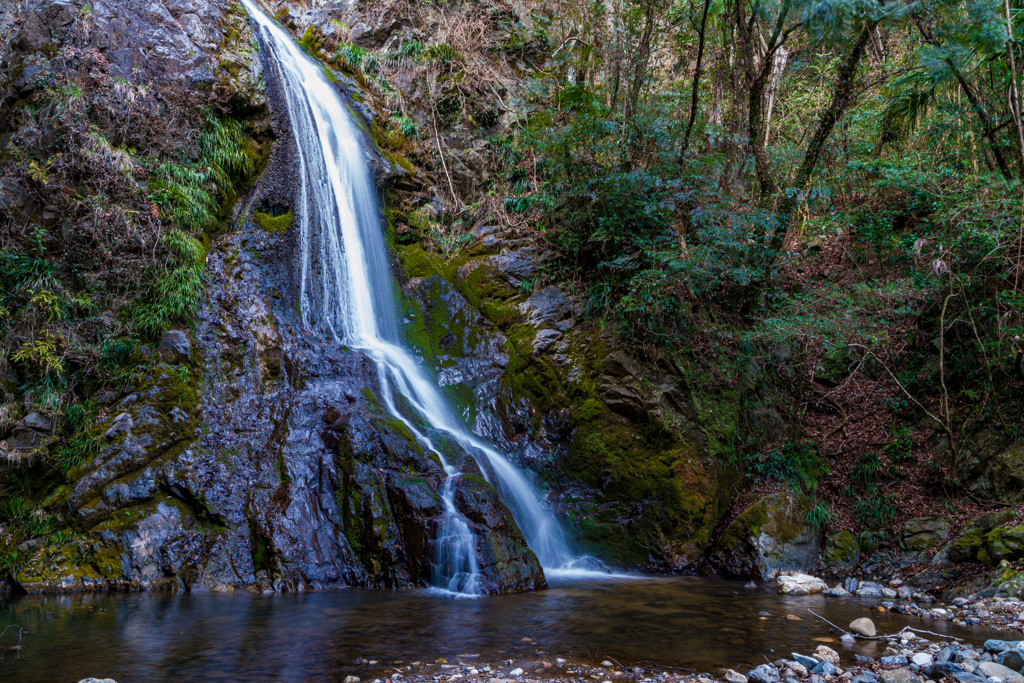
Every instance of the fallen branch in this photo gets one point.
(887, 636)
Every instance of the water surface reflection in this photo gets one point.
(679, 621)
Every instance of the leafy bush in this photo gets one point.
(796, 463)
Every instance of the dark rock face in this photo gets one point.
(256, 454)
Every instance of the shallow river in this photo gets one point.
(690, 622)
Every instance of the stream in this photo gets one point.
(698, 623)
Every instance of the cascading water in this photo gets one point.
(347, 291)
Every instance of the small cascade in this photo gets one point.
(347, 292)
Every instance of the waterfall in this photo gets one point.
(347, 291)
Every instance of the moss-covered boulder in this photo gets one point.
(966, 546)
(1006, 543)
(842, 551)
(768, 537)
(924, 533)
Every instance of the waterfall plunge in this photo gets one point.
(346, 290)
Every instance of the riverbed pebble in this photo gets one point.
(734, 677)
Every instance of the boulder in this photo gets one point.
(1005, 543)
(769, 537)
(31, 431)
(1003, 673)
(1012, 659)
(863, 627)
(826, 654)
(924, 533)
(965, 548)
(800, 584)
(842, 551)
(174, 347)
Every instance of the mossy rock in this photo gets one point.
(768, 537)
(1005, 544)
(276, 224)
(834, 367)
(967, 546)
(842, 550)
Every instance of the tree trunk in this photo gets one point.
(696, 76)
(841, 96)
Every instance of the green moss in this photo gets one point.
(416, 263)
(277, 224)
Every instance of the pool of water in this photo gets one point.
(691, 622)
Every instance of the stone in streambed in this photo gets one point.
(865, 677)
(996, 646)
(847, 639)
(1005, 674)
(939, 670)
(1012, 659)
(922, 658)
(797, 668)
(766, 673)
(863, 627)
(351, 679)
(824, 668)
(97, 680)
(900, 676)
(966, 677)
(808, 662)
(734, 677)
(800, 584)
(827, 654)
(894, 660)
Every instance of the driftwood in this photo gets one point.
(887, 636)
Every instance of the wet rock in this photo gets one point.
(174, 347)
(800, 584)
(549, 308)
(837, 592)
(924, 533)
(731, 676)
(545, 340)
(122, 424)
(995, 670)
(894, 660)
(863, 627)
(97, 680)
(899, 676)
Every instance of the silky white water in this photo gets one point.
(347, 292)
